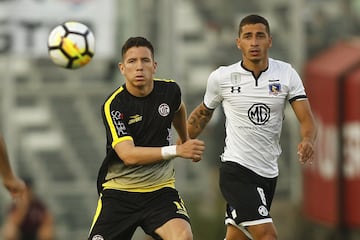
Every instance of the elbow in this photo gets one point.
(126, 151)
(128, 159)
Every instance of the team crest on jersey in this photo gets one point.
(235, 78)
(164, 109)
(274, 88)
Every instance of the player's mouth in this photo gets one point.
(255, 52)
(139, 77)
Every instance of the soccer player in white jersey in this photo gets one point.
(253, 93)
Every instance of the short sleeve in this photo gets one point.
(296, 88)
(212, 97)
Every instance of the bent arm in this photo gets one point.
(134, 155)
(198, 120)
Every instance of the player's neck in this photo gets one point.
(256, 66)
(140, 91)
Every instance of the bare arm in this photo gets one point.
(198, 120)
(190, 149)
(13, 184)
(46, 230)
(134, 155)
(179, 123)
(308, 129)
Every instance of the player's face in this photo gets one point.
(254, 42)
(138, 67)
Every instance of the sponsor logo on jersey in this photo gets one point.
(116, 115)
(117, 118)
(235, 79)
(259, 113)
(164, 109)
(235, 89)
(181, 209)
(134, 119)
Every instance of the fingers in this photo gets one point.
(305, 153)
(193, 149)
(199, 148)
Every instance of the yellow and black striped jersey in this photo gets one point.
(147, 121)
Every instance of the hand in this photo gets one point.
(191, 149)
(15, 186)
(305, 151)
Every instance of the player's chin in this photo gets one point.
(255, 58)
(139, 82)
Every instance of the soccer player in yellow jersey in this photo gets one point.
(136, 181)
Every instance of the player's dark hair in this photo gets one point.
(137, 42)
(254, 19)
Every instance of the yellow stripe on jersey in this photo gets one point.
(163, 80)
(111, 125)
(115, 185)
(121, 140)
(97, 213)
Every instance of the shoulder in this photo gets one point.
(116, 92)
(280, 65)
(223, 72)
(165, 83)
(229, 68)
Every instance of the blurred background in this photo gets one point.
(50, 117)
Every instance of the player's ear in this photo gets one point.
(238, 43)
(155, 67)
(270, 41)
(121, 67)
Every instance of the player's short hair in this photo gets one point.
(137, 42)
(254, 19)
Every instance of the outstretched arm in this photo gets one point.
(308, 129)
(198, 120)
(13, 184)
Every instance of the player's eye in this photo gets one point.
(261, 35)
(247, 36)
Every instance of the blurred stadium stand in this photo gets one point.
(51, 116)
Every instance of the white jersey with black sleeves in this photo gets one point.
(254, 110)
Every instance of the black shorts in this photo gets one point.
(119, 213)
(248, 195)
